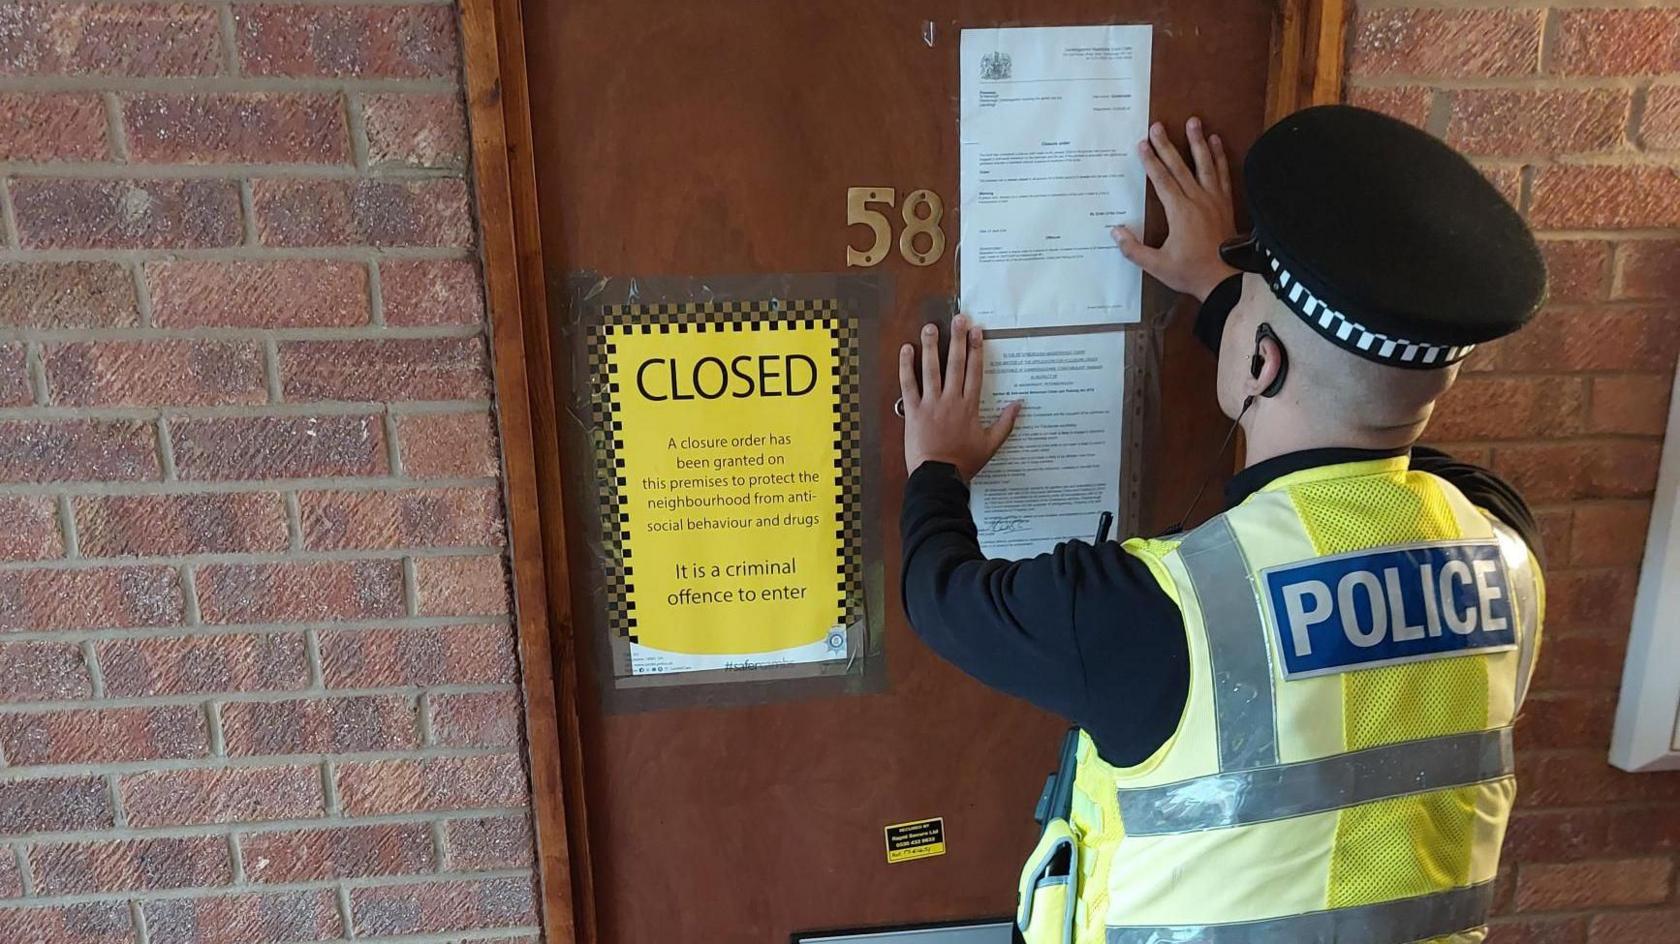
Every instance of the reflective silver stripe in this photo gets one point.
(1238, 798)
(1244, 714)
(1527, 600)
(1388, 922)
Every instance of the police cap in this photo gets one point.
(1387, 241)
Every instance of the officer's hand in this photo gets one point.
(1199, 215)
(942, 414)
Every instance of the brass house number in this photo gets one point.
(922, 211)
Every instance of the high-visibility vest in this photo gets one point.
(1361, 637)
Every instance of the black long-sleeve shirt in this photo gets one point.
(1085, 631)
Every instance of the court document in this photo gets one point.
(1061, 467)
(1050, 119)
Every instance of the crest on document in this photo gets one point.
(996, 65)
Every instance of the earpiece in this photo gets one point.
(1257, 363)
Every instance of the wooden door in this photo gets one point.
(705, 137)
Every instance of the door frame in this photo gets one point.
(1305, 69)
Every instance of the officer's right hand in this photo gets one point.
(1199, 213)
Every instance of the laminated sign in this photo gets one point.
(730, 482)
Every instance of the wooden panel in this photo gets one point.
(720, 139)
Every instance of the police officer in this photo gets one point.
(1295, 718)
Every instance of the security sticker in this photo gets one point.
(917, 839)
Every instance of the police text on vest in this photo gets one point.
(1360, 610)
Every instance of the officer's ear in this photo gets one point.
(1269, 365)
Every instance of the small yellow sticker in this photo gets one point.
(918, 839)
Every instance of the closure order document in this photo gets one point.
(1060, 468)
(1050, 120)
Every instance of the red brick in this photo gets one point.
(235, 795)
(287, 293)
(118, 597)
(1569, 835)
(1572, 338)
(280, 918)
(372, 212)
(1659, 126)
(1650, 269)
(108, 736)
(422, 656)
(1481, 407)
(1577, 270)
(55, 805)
(185, 665)
(461, 586)
(1445, 43)
(1574, 778)
(32, 531)
(1571, 470)
(477, 719)
(320, 726)
(1594, 601)
(300, 592)
(1506, 179)
(1510, 122)
(439, 783)
(448, 445)
(432, 292)
(14, 376)
(1615, 42)
(1610, 533)
(356, 852)
(396, 369)
(439, 517)
(78, 451)
(279, 447)
(346, 41)
(1554, 530)
(42, 671)
(1409, 103)
(1580, 662)
(1577, 719)
(252, 127)
(498, 842)
(85, 213)
(230, 523)
(1539, 931)
(11, 880)
(1569, 196)
(155, 373)
(128, 39)
(443, 906)
(59, 295)
(103, 922)
(1634, 404)
(416, 130)
(52, 127)
(1640, 927)
(130, 865)
(1590, 884)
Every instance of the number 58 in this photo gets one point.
(924, 223)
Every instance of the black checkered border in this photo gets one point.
(1350, 335)
(721, 316)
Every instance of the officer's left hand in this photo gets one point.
(942, 414)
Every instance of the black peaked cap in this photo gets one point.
(1386, 240)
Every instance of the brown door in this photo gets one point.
(703, 137)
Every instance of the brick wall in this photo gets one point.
(257, 678)
(1575, 112)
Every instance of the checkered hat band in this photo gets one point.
(1346, 333)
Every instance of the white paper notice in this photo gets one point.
(1061, 467)
(1050, 121)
